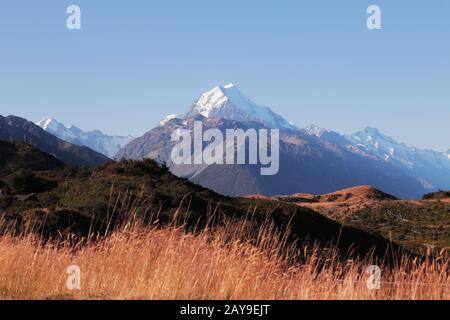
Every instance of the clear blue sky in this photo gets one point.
(314, 62)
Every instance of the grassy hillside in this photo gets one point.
(420, 225)
(138, 232)
(20, 156)
(99, 199)
(169, 263)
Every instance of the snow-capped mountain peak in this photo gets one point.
(383, 146)
(374, 144)
(48, 123)
(167, 119)
(374, 139)
(44, 123)
(96, 140)
(228, 102)
(317, 131)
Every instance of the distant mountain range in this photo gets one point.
(313, 160)
(96, 140)
(431, 168)
(15, 129)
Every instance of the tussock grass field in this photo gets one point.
(170, 263)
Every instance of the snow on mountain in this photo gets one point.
(430, 167)
(48, 123)
(227, 102)
(96, 140)
(314, 130)
(168, 118)
(57, 129)
(387, 148)
(312, 159)
(384, 147)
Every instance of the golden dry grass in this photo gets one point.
(169, 263)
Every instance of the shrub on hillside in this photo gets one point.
(437, 195)
(26, 182)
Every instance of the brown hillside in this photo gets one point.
(337, 203)
(420, 225)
